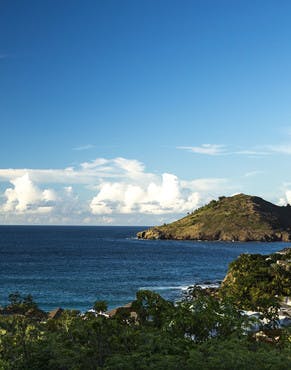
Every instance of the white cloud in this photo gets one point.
(253, 173)
(129, 165)
(25, 196)
(94, 164)
(286, 199)
(216, 150)
(281, 149)
(86, 173)
(165, 195)
(208, 149)
(49, 195)
(115, 168)
(84, 147)
(252, 152)
(207, 184)
(288, 196)
(267, 150)
(117, 190)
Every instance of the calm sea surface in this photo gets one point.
(72, 267)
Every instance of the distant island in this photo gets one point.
(237, 218)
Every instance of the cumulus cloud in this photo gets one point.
(25, 196)
(285, 199)
(288, 196)
(166, 195)
(117, 190)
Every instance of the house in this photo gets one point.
(55, 314)
(126, 308)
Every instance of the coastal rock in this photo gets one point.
(240, 218)
(153, 233)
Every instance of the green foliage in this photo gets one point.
(201, 316)
(238, 354)
(100, 306)
(18, 334)
(256, 282)
(151, 308)
(200, 332)
(23, 305)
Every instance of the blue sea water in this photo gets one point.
(72, 267)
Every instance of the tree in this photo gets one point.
(100, 306)
(151, 308)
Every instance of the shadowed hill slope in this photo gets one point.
(237, 218)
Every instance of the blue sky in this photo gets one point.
(135, 112)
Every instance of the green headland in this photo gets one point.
(237, 218)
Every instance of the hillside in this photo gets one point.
(237, 218)
(258, 282)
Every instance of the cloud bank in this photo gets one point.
(166, 195)
(102, 191)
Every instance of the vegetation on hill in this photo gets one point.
(237, 218)
(259, 283)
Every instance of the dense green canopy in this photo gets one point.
(199, 333)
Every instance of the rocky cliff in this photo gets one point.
(237, 218)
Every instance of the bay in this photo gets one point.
(73, 266)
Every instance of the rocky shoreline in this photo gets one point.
(157, 233)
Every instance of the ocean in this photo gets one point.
(72, 267)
